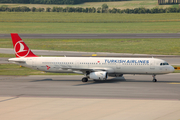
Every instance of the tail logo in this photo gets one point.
(21, 49)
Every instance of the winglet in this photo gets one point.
(20, 48)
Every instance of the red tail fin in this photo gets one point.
(20, 48)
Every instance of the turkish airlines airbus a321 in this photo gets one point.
(97, 68)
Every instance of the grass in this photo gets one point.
(13, 69)
(7, 55)
(135, 46)
(16, 70)
(55, 17)
(155, 27)
(119, 4)
(99, 23)
(176, 71)
(88, 23)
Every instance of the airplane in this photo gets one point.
(96, 68)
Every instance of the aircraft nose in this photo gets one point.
(171, 69)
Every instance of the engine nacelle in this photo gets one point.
(101, 75)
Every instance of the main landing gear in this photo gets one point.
(84, 79)
(154, 78)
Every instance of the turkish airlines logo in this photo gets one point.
(48, 67)
(21, 50)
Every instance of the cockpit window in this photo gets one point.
(164, 64)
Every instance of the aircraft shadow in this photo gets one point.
(90, 82)
(160, 81)
(53, 80)
(113, 80)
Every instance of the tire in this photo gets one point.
(84, 79)
(154, 80)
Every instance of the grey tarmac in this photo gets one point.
(129, 86)
(97, 36)
(171, 59)
(65, 97)
(85, 54)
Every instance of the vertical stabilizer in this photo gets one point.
(20, 48)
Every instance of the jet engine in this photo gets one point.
(101, 75)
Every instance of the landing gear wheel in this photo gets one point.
(84, 79)
(154, 80)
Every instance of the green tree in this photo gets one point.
(17, 9)
(119, 11)
(40, 9)
(93, 10)
(3, 8)
(79, 9)
(136, 10)
(90, 10)
(114, 10)
(33, 9)
(54, 9)
(83, 10)
(48, 9)
(104, 8)
(99, 10)
(25, 9)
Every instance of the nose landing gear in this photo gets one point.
(154, 78)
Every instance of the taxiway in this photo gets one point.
(66, 97)
(129, 86)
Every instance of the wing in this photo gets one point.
(85, 70)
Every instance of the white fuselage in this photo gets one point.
(113, 66)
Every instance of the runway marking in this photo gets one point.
(11, 98)
(173, 83)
